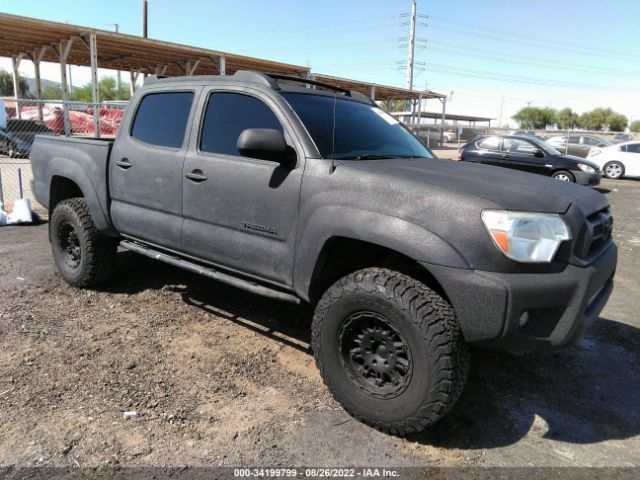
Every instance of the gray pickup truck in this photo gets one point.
(307, 192)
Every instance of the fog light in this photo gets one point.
(524, 319)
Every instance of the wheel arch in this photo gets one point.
(67, 180)
(341, 256)
(619, 162)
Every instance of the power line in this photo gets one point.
(590, 50)
(536, 44)
(524, 60)
(487, 75)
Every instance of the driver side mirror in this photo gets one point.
(265, 144)
(538, 153)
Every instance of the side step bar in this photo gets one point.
(209, 272)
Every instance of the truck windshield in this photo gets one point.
(361, 131)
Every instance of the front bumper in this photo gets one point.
(560, 306)
(586, 178)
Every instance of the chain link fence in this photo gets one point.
(22, 120)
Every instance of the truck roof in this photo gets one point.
(272, 81)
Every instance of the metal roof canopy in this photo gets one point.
(380, 92)
(447, 116)
(42, 40)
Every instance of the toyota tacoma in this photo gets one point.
(308, 192)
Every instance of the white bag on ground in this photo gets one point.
(21, 212)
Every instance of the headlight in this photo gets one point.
(526, 236)
(586, 168)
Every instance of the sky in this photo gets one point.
(491, 57)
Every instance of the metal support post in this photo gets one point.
(190, 67)
(36, 57)
(15, 63)
(444, 114)
(133, 78)
(64, 46)
(95, 95)
(419, 111)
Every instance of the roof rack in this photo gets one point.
(271, 80)
(308, 81)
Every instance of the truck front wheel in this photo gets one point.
(390, 350)
(83, 255)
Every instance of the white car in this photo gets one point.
(616, 161)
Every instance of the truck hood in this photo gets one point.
(509, 189)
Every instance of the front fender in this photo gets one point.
(65, 168)
(393, 233)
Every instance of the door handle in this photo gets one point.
(504, 155)
(196, 176)
(123, 163)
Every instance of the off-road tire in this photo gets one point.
(96, 257)
(564, 174)
(439, 354)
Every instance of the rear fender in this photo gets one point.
(65, 168)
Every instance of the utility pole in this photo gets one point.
(144, 18)
(501, 105)
(412, 44)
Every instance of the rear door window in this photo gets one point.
(489, 143)
(515, 145)
(161, 118)
(633, 148)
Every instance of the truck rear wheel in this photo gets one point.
(390, 350)
(83, 255)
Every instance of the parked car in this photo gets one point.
(318, 196)
(531, 133)
(617, 161)
(17, 136)
(530, 154)
(579, 145)
(621, 137)
(450, 136)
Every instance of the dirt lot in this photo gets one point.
(217, 376)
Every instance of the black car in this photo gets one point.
(530, 154)
(17, 136)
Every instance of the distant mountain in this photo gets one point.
(43, 83)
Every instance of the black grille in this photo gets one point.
(595, 234)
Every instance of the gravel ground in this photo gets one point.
(217, 376)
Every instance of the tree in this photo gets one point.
(635, 126)
(603, 119)
(6, 85)
(567, 119)
(394, 105)
(535, 117)
(107, 90)
(51, 92)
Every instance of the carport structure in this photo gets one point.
(437, 116)
(23, 38)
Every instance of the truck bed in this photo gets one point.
(83, 160)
